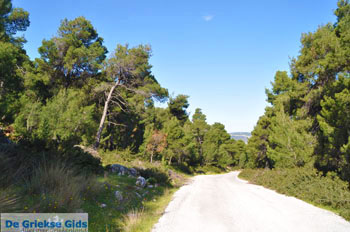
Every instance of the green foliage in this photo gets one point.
(291, 90)
(208, 169)
(308, 121)
(291, 145)
(152, 180)
(130, 65)
(55, 102)
(73, 56)
(190, 144)
(214, 139)
(175, 135)
(157, 174)
(199, 128)
(258, 144)
(334, 121)
(52, 107)
(57, 187)
(133, 213)
(12, 20)
(177, 107)
(44, 181)
(133, 90)
(65, 118)
(12, 58)
(307, 184)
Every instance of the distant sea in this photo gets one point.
(244, 136)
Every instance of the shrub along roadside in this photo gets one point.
(72, 181)
(58, 187)
(307, 184)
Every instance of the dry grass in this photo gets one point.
(56, 187)
(8, 201)
(132, 219)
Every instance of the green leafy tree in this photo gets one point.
(72, 57)
(214, 138)
(178, 106)
(175, 140)
(12, 59)
(129, 69)
(291, 89)
(258, 144)
(66, 119)
(199, 129)
(290, 143)
(309, 107)
(334, 135)
(12, 20)
(192, 156)
(241, 157)
(11, 79)
(227, 153)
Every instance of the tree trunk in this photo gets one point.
(152, 156)
(103, 118)
(171, 157)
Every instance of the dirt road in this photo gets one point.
(220, 203)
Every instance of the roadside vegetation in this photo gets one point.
(328, 192)
(301, 145)
(307, 123)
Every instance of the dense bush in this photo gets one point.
(306, 184)
(157, 174)
(16, 163)
(84, 161)
(46, 181)
(209, 169)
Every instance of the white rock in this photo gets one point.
(141, 182)
(138, 194)
(118, 195)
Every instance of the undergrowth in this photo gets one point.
(307, 184)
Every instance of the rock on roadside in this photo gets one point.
(141, 182)
(122, 170)
(118, 195)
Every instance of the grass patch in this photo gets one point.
(56, 187)
(46, 184)
(328, 192)
(139, 209)
(144, 220)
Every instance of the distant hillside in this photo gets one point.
(244, 136)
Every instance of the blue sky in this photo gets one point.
(223, 54)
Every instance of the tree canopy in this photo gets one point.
(308, 120)
(74, 95)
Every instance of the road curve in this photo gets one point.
(220, 203)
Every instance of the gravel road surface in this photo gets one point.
(220, 203)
